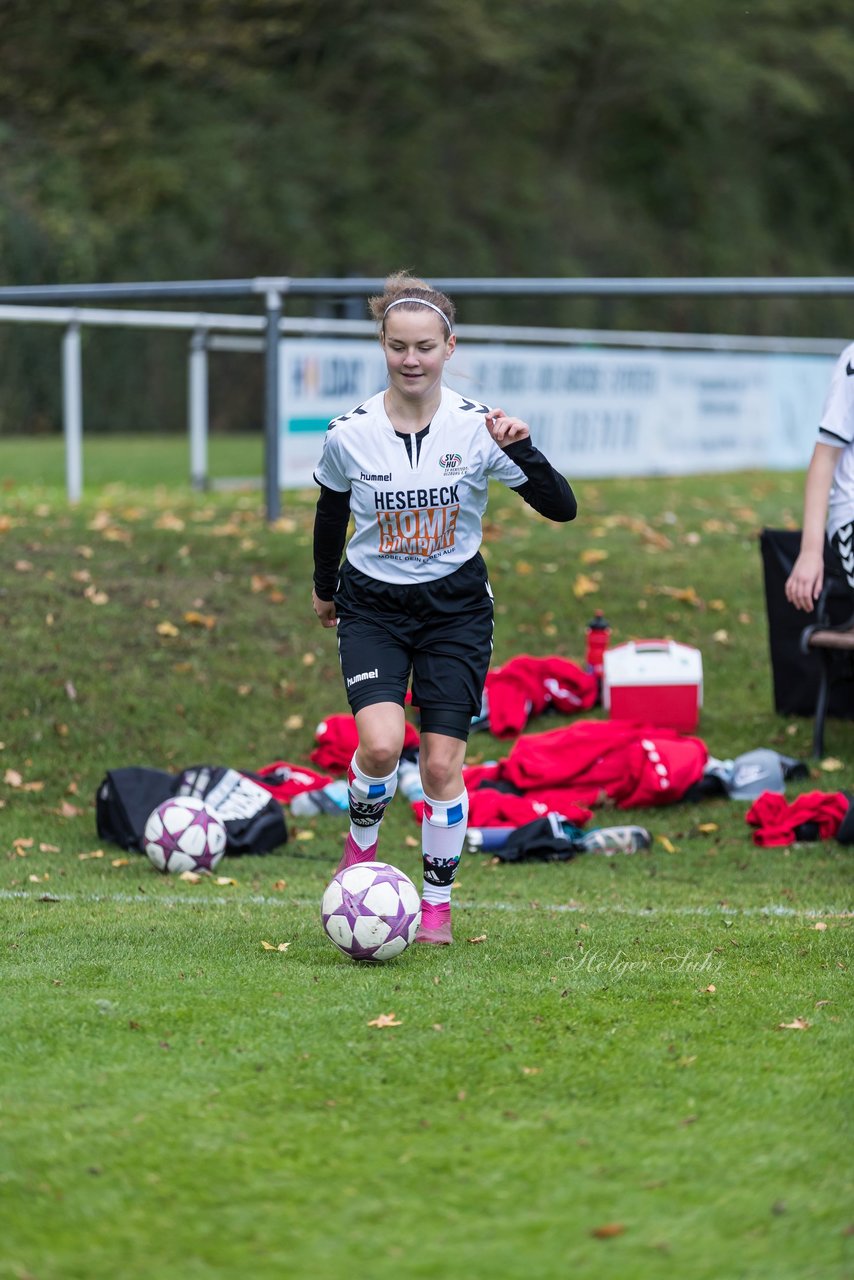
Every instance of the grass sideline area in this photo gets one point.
(642, 1069)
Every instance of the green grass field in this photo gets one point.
(603, 1086)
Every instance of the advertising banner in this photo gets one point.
(595, 413)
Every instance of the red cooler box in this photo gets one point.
(657, 681)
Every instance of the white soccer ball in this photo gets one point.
(184, 834)
(371, 911)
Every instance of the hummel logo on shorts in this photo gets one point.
(363, 675)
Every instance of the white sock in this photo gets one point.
(443, 830)
(368, 799)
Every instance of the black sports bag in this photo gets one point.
(254, 820)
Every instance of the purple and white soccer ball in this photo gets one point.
(371, 911)
(184, 834)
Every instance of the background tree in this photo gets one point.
(145, 140)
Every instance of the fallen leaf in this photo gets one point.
(224, 880)
(96, 853)
(531, 1071)
(275, 946)
(167, 629)
(385, 1020)
(707, 826)
(170, 522)
(481, 937)
(608, 1230)
(831, 764)
(191, 877)
(68, 810)
(686, 595)
(305, 835)
(294, 722)
(47, 848)
(280, 885)
(820, 925)
(584, 586)
(666, 844)
(12, 778)
(592, 555)
(721, 637)
(308, 659)
(710, 988)
(120, 862)
(799, 1024)
(196, 619)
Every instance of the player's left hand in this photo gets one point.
(506, 430)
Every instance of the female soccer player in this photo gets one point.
(412, 598)
(829, 492)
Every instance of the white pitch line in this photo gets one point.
(262, 900)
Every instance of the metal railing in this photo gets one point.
(29, 303)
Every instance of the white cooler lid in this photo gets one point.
(640, 662)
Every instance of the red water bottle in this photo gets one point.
(598, 635)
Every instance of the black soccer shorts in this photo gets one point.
(439, 633)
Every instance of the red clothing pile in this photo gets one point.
(337, 739)
(777, 821)
(526, 686)
(593, 761)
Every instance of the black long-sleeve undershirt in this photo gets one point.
(544, 489)
(330, 533)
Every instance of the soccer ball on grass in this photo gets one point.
(371, 911)
(184, 834)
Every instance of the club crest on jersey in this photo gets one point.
(452, 464)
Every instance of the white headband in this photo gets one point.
(422, 303)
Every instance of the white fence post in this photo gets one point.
(72, 411)
(197, 409)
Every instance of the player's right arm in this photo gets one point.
(803, 586)
(331, 518)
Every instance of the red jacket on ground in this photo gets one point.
(337, 739)
(618, 760)
(776, 819)
(525, 686)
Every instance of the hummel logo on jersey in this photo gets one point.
(375, 475)
(849, 369)
(363, 675)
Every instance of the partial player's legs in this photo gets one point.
(372, 778)
(443, 829)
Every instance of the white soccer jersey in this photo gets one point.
(837, 428)
(417, 504)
